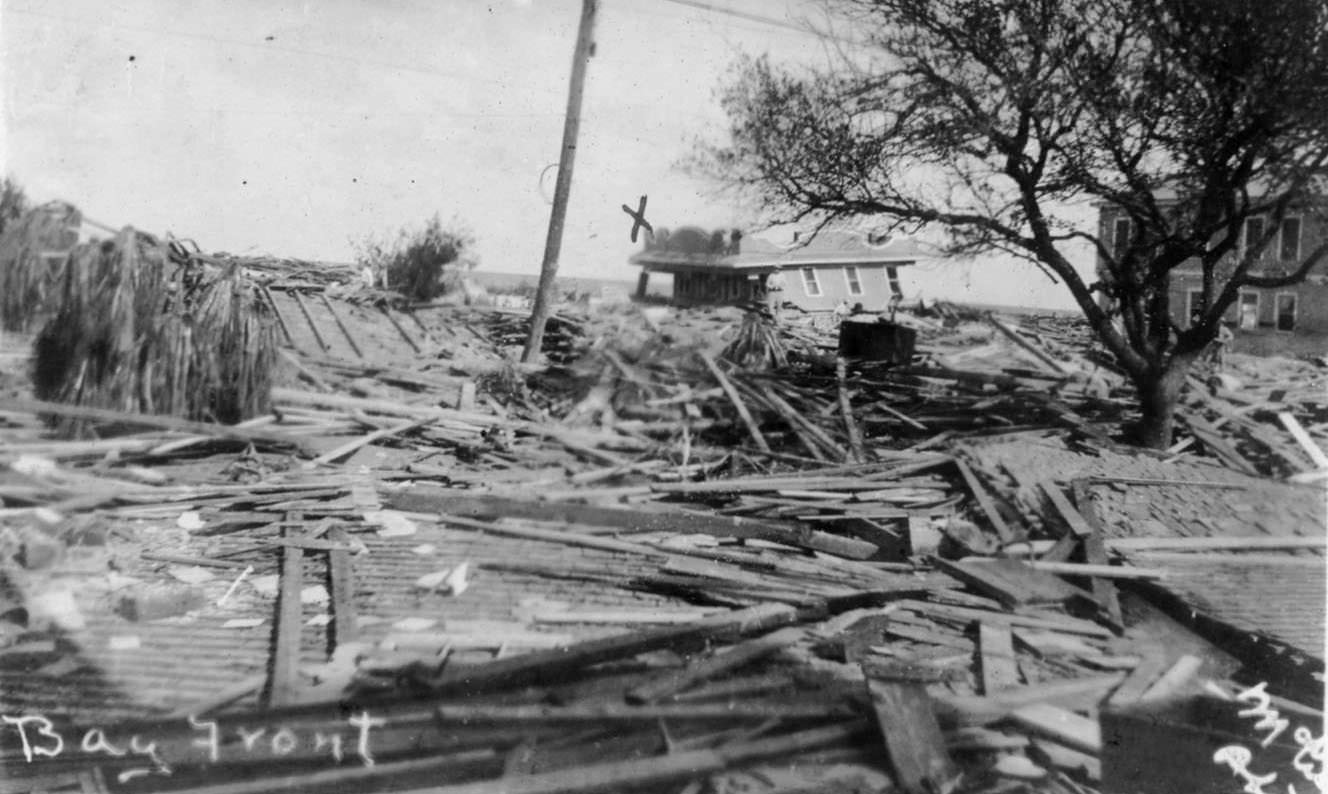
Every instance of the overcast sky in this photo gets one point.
(293, 129)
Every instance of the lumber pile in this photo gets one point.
(700, 554)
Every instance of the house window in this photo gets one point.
(1290, 247)
(810, 282)
(1252, 236)
(892, 273)
(854, 282)
(1248, 316)
(1120, 240)
(1193, 305)
(1286, 311)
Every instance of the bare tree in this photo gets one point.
(988, 118)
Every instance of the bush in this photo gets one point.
(420, 264)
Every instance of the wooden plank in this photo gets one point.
(1302, 438)
(1097, 570)
(588, 541)
(929, 636)
(344, 330)
(276, 312)
(638, 774)
(299, 301)
(1060, 725)
(1049, 363)
(712, 666)
(1179, 544)
(1012, 582)
(598, 710)
(1175, 679)
(913, 741)
(856, 451)
(151, 420)
(284, 684)
(736, 399)
(1076, 693)
(1068, 625)
(1059, 551)
(1104, 591)
(1076, 522)
(377, 435)
(549, 667)
(996, 652)
(984, 502)
(344, 623)
(627, 520)
(400, 330)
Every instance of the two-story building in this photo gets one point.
(1283, 319)
(726, 267)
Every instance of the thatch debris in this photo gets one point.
(757, 344)
(33, 252)
(147, 327)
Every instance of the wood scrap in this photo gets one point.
(284, 683)
(736, 399)
(308, 318)
(985, 502)
(547, 666)
(913, 742)
(705, 669)
(996, 658)
(1012, 582)
(1060, 725)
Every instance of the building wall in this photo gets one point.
(1311, 307)
(834, 288)
(1311, 296)
(701, 287)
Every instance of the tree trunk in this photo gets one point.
(1159, 391)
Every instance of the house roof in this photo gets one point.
(693, 248)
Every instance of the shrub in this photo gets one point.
(420, 263)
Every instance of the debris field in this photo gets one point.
(695, 550)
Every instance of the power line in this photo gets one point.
(766, 20)
(779, 23)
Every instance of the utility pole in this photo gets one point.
(553, 243)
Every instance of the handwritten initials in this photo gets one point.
(1269, 719)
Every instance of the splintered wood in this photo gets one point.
(685, 552)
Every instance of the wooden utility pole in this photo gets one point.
(539, 316)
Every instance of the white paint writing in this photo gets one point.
(322, 740)
(364, 722)
(1269, 719)
(1308, 761)
(284, 742)
(39, 738)
(46, 729)
(1313, 748)
(1238, 759)
(94, 741)
(213, 740)
(250, 739)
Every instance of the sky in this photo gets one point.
(298, 129)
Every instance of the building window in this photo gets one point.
(1248, 313)
(1193, 305)
(810, 282)
(1286, 311)
(1252, 235)
(1290, 247)
(892, 273)
(1120, 241)
(854, 282)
